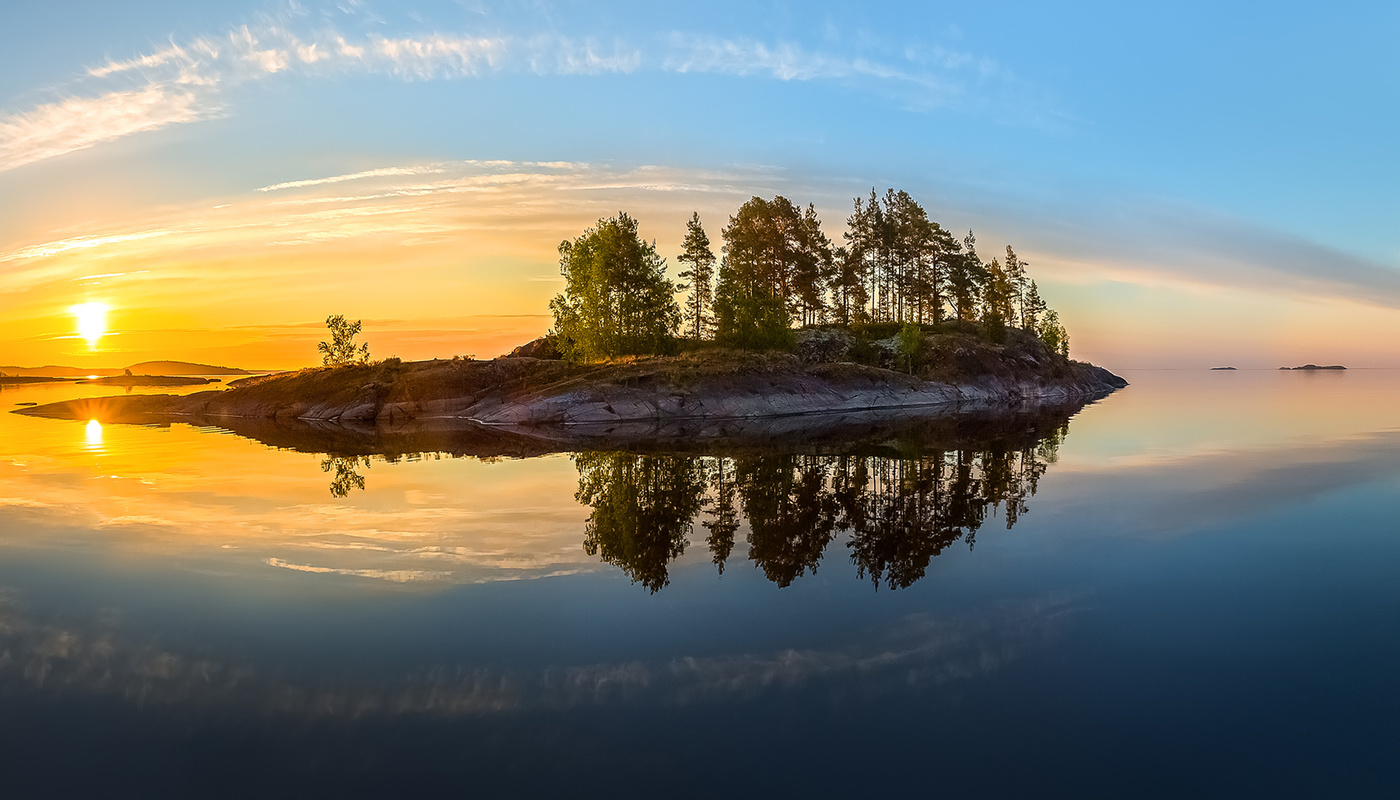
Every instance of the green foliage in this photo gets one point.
(341, 349)
(698, 278)
(1053, 334)
(1032, 308)
(911, 343)
(775, 262)
(751, 323)
(965, 278)
(616, 300)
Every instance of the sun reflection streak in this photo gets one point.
(93, 434)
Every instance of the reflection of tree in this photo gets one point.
(724, 521)
(643, 509)
(790, 513)
(346, 478)
(899, 512)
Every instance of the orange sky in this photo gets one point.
(456, 258)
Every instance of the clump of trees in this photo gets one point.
(779, 269)
(616, 299)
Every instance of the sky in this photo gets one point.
(1192, 184)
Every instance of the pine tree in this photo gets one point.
(1032, 308)
(754, 298)
(965, 278)
(1016, 284)
(698, 276)
(996, 301)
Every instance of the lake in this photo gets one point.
(1190, 587)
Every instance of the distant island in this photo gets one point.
(1222, 369)
(148, 380)
(147, 368)
(903, 318)
(1313, 367)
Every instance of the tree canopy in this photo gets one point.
(616, 299)
(778, 269)
(342, 349)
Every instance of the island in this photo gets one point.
(793, 336)
(1222, 369)
(148, 380)
(1311, 367)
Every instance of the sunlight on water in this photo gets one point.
(93, 435)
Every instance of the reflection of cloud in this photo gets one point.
(395, 575)
(100, 659)
(1203, 489)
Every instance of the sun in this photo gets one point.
(92, 321)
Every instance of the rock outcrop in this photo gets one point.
(688, 392)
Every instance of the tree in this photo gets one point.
(1032, 308)
(965, 277)
(911, 343)
(1053, 334)
(996, 301)
(1015, 270)
(341, 349)
(756, 298)
(848, 288)
(616, 297)
(698, 276)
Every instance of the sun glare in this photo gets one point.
(93, 434)
(92, 321)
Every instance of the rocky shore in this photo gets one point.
(674, 396)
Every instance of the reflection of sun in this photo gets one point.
(92, 321)
(94, 434)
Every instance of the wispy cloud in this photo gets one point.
(370, 173)
(77, 123)
(187, 81)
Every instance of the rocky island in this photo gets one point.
(794, 337)
(1311, 367)
(709, 392)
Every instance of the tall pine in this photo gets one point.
(698, 277)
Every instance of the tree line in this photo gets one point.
(778, 269)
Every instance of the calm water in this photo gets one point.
(1198, 594)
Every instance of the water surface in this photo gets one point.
(1188, 587)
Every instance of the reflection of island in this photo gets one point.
(898, 510)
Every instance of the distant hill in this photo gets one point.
(182, 368)
(144, 368)
(57, 372)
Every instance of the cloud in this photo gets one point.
(372, 173)
(184, 81)
(77, 123)
(1152, 241)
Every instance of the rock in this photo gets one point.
(541, 348)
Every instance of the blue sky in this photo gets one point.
(1189, 156)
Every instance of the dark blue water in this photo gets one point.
(1198, 598)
